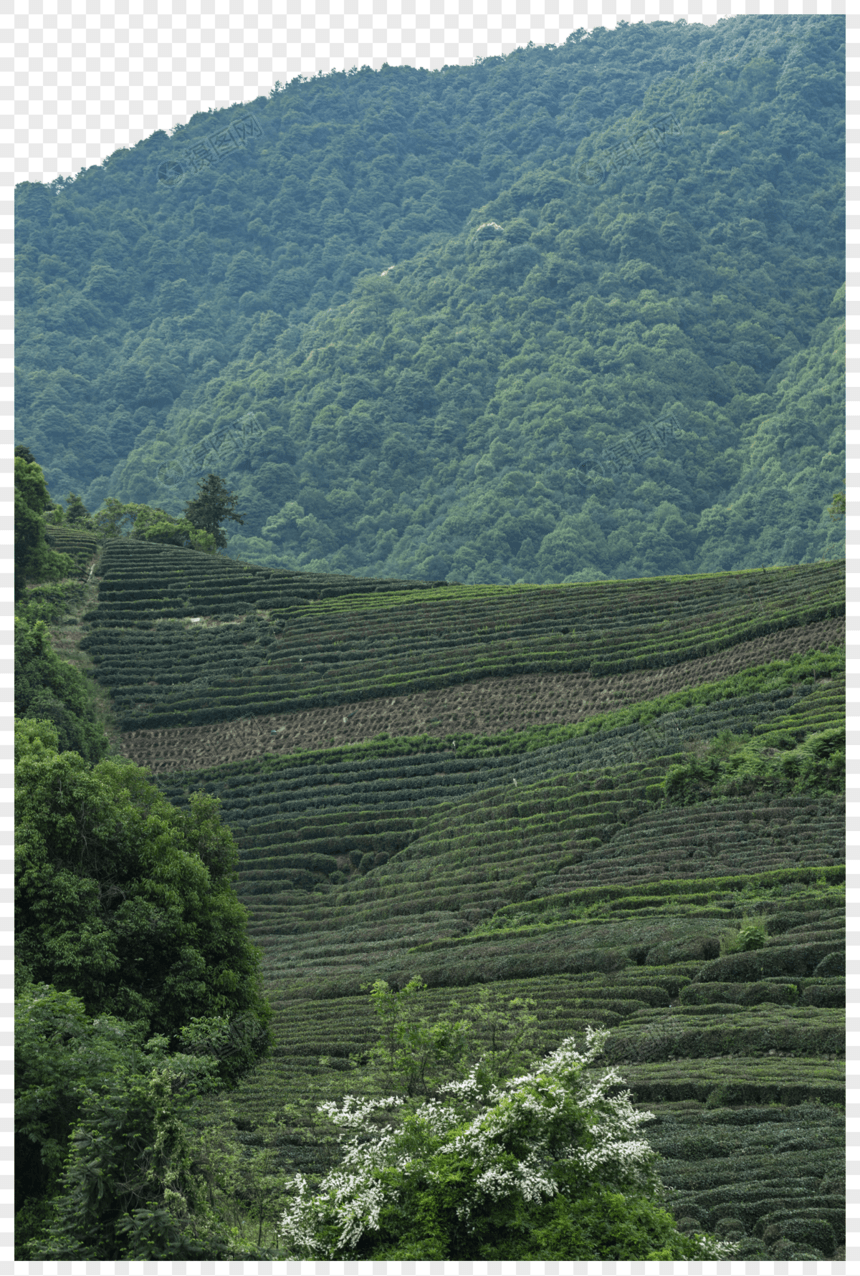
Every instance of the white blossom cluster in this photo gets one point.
(512, 1138)
(350, 1197)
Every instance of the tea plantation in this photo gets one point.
(671, 867)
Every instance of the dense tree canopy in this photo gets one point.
(51, 689)
(137, 988)
(34, 559)
(109, 1159)
(459, 306)
(76, 513)
(126, 901)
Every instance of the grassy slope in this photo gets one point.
(546, 861)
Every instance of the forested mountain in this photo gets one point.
(561, 315)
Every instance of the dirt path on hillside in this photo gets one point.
(488, 706)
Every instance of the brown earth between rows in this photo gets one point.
(485, 707)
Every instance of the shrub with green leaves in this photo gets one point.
(125, 901)
(34, 559)
(416, 1055)
(751, 934)
(53, 690)
(130, 1186)
(548, 1165)
(783, 762)
(126, 1148)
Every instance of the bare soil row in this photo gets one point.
(486, 707)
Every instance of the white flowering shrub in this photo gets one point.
(549, 1165)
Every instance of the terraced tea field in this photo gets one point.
(488, 705)
(570, 793)
(166, 667)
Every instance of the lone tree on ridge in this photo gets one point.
(212, 504)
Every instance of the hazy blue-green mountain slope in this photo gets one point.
(348, 172)
(554, 294)
(793, 449)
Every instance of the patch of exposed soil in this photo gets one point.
(485, 707)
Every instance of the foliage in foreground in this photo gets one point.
(548, 1165)
(415, 1055)
(53, 690)
(125, 901)
(34, 559)
(126, 1149)
(111, 1160)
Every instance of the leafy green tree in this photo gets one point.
(128, 902)
(837, 506)
(29, 481)
(122, 1146)
(49, 688)
(113, 517)
(34, 559)
(511, 253)
(212, 504)
(129, 1186)
(155, 525)
(148, 523)
(77, 514)
(246, 1178)
(416, 1053)
(60, 1056)
(413, 1052)
(545, 1166)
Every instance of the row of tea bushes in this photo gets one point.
(81, 545)
(353, 803)
(546, 863)
(219, 676)
(640, 1007)
(812, 684)
(188, 675)
(587, 943)
(416, 903)
(577, 837)
(789, 898)
(143, 581)
(700, 1101)
(337, 956)
(536, 865)
(799, 1031)
(707, 594)
(515, 873)
(771, 1177)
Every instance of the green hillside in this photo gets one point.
(353, 646)
(567, 315)
(522, 676)
(668, 865)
